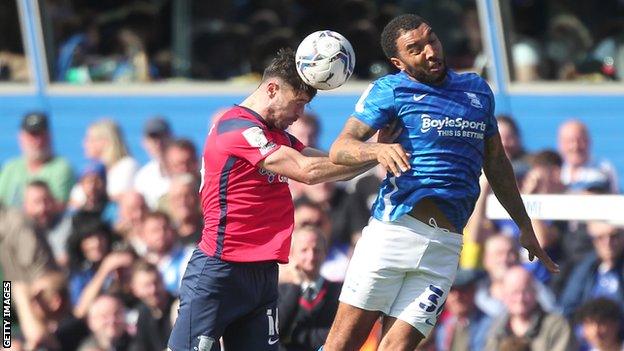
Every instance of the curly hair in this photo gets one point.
(599, 310)
(393, 30)
(283, 66)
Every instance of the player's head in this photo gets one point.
(286, 93)
(412, 46)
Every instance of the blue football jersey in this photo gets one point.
(444, 129)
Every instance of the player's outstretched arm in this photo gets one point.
(499, 173)
(311, 166)
(351, 148)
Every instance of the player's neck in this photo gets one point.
(256, 104)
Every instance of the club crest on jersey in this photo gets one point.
(474, 100)
(256, 138)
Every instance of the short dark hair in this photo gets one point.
(599, 310)
(38, 183)
(547, 158)
(283, 66)
(184, 144)
(157, 215)
(393, 30)
(142, 265)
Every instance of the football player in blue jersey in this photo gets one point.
(405, 262)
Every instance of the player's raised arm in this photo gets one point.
(499, 173)
(351, 148)
(312, 169)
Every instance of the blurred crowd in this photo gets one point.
(96, 256)
(155, 40)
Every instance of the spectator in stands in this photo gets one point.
(106, 320)
(568, 42)
(154, 324)
(32, 333)
(500, 253)
(306, 129)
(163, 250)
(152, 180)
(181, 158)
(512, 143)
(51, 306)
(333, 200)
(465, 326)
(544, 177)
(39, 207)
(36, 162)
(24, 254)
(112, 276)
(308, 304)
(132, 210)
(182, 205)
(360, 199)
(477, 230)
(104, 142)
(601, 324)
(87, 246)
(580, 170)
(89, 194)
(600, 273)
(524, 317)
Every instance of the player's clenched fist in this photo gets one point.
(393, 158)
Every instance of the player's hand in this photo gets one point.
(393, 158)
(390, 133)
(529, 242)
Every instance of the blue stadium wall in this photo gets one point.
(537, 114)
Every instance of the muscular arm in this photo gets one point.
(311, 169)
(351, 148)
(499, 173)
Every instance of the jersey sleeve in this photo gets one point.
(252, 144)
(376, 105)
(491, 126)
(295, 143)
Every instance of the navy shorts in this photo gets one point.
(236, 301)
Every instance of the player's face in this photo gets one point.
(420, 55)
(287, 105)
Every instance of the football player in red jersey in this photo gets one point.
(229, 289)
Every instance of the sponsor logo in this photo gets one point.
(419, 97)
(271, 176)
(273, 341)
(429, 123)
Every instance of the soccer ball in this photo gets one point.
(325, 60)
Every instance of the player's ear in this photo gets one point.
(397, 63)
(272, 88)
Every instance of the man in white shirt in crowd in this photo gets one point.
(152, 180)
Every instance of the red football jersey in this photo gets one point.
(248, 211)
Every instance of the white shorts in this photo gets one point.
(404, 269)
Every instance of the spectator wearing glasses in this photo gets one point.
(600, 273)
(36, 162)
